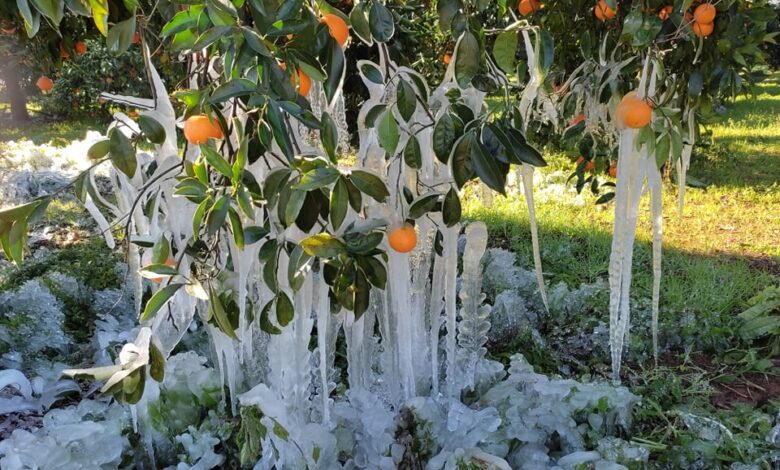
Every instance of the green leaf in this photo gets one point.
(318, 178)
(358, 19)
(335, 69)
(237, 227)
(254, 234)
(54, 10)
(695, 84)
(339, 201)
(281, 136)
(265, 321)
(329, 135)
(487, 169)
(362, 294)
(284, 309)
(99, 149)
(159, 299)
(298, 267)
(447, 10)
(255, 41)
(413, 153)
(161, 250)
(547, 46)
(451, 209)
(662, 146)
(233, 88)
(156, 363)
(373, 114)
(444, 137)
(362, 243)
(220, 316)
(380, 21)
(293, 207)
(504, 50)
(372, 73)
(375, 271)
(369, 184)
(424, 204)
(153, 130)
(120, 36)
(122, 153)
(197, 217)
(182, 20)
(407, 99)
(323, 245)
(467, 56)
(216, 160)
(462, 170)
(217, 215)
(388, 132)
(16, 238)
(211, 36)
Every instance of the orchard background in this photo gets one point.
(364, 154)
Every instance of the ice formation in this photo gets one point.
(419, 346)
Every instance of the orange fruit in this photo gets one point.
(633, 112)
(199, 129)
(9, 30)
(577, 119)
(603, 11)
(133, 114)
(589, 166)
(299, 80)
(703, 29)
(64, 54)
(136, 37)
(338, 28)
(665, 12)
(402, 239)
(613, 170)
(447, 59)
(526, 7)
(45, 84)
(80, 47)
(704, 13)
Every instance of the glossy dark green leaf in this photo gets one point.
(237, 228)
(504, 50)
(362, 294)
(372, 73)
(120, 36)
(374, 113)
(406, 99)
(329, 135)
(339, 201)
(293, 207)
(380, 21)
(298, 267)
(447, 9)
(375, 271)
(423, 204)
(265, 321)
(451, 208)
(216, 160)
(335, 69)
(413, 153)
(219, 315)
(159, 299)
(122, 153)
(211, 36)
(487, 169)
(152, 130)
(233, 88)
(217, 215)
(284, 310)
(388, 132)
(467, 58)
(462, 170)
(358, 19)
(444, 137)
(369, 184)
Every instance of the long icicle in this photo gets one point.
(654, 183)
(527, 172)
(685, 159)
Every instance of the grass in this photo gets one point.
(723, 250)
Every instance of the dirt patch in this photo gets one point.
(751, 389)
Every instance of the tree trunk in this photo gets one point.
(14, 90)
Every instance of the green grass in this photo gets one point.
(724, 249)
(58, 133)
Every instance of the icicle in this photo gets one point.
(322, 310)
(400, 307)
(450, 255)
(105, 228)
(654, 183)
(685, 159)
(527, 173)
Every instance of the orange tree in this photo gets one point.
(264, 82)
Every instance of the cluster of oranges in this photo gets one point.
(590, 165)
(603, 11)
(703, 19)
(526, 7)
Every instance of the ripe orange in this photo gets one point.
(338, 28)
(703, 29)
(613, 170)
(665, 12)
(64, 54)
(299, 80)
(402, 239)
(526, 7)
(577, 119)
(199, 129)
(589, 166)
(603, 11)
(9, 30)
(447, 59)
(704, 13)
(45, 84)
(136, 37)
(633, 112)
(80, 47)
